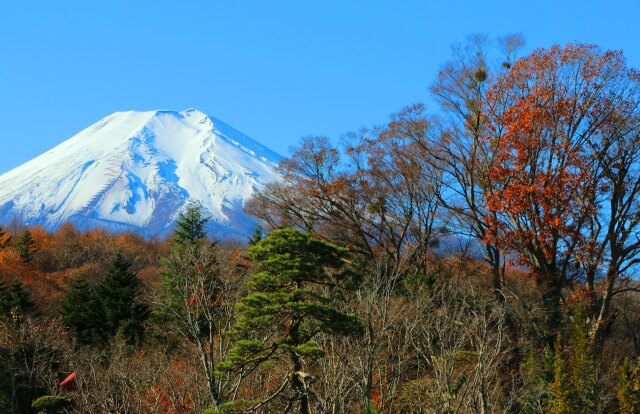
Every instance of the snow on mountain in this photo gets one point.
(137, 171)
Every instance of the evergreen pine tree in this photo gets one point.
(256, 236)
(25, 245)
(118, 297)
(292, 301)
(81, 312)
(191, 225)
(13, 297)
(179, 267)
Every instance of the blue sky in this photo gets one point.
(276, 70)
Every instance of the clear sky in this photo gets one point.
(275, 70)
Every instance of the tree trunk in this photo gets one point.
(207, 365)
(515, 355)
(551, 305)
(298, 376)
(512, 333)
(602, 321)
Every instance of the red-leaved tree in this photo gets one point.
(564, 176)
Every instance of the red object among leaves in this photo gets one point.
(164, 395)
(375, 397)
(69, 382)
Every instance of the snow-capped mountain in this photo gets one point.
(137, 171)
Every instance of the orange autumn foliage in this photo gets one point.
(170, 396)
(564, 152)
(66, 254)
(558, 107)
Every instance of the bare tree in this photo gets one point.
(378, 196)
(461, 339)
(30, 351)
(201, 289)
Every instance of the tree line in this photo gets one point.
(477, 258)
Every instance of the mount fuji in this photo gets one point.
(136, 171)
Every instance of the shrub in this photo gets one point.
(49, 404)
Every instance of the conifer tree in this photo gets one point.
(13, 297)
(256, 236)
(575, 388)
(292, 301)
(629, 388)
(560, 388)
(81, 312)
(191, 225)
(24, 246)
(119, 299)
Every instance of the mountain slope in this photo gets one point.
(137, 171)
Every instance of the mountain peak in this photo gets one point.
(136, 170)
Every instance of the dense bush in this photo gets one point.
(50, 404)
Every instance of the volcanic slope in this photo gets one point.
(135, 171)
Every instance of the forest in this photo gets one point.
(479, 256)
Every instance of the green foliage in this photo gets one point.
(118, 297)
(257, 235)
(292, 300)
(192, 302)
(371, 408)
(81, 312)
(113, 307)
(13, 297)
(628, 392)
(413, 283)
(537, 374)
(25, 246)
(190, 274)
(575, 387)
(191, 226)
(232, 407)
(560, 389)
(50, 404)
